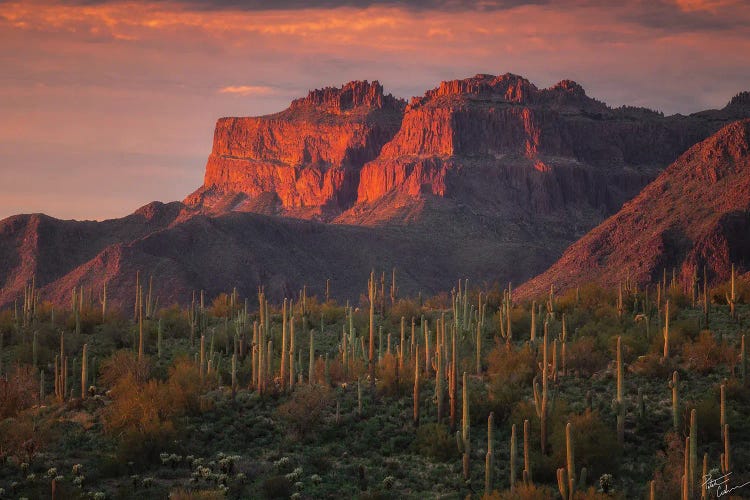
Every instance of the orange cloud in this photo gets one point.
(247, 90)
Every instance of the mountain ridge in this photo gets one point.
(488, 178)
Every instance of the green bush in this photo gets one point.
(277, 487)
(434, 441)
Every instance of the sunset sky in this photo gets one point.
(107, 105)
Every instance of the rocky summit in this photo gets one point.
(695, 215)
(488, 177)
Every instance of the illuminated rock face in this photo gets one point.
(308, 155)
(342, 147)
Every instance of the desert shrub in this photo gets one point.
(510, 372)
(332, 312)
(705, 354)
(524, 492)
(709, 417)
(583, 358)
(741, 290)
(305, 409)
(221, 306)
(181, 494)
(335, 371)
(18, 391)
(595, 441)
(19, 438)
(114, 334)
(185, 387)
(142, 412)
(174, 322)
(277, 487)
(667, 478)
(652, 365)
(388, 384)
(509, 365)
(123, 364)
(434, 441)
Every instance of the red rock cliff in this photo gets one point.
(308, 155)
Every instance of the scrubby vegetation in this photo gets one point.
(593, 394)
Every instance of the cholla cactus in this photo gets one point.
(388, 482)
(282, 463)
(605, 482)
(295, 475)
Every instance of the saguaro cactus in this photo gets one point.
(84, 370)
(619, 404)
(666, 331)
(513, 454)
(284, 328)
(674, 385)
(415, 417)
(743, 362)
(371, 291)
(731, 298)
(527, 479)
(566, 476)
(311, 362)
(726, 463)
(541, 400)
(693, 462)
(463, 437)
(490, 457)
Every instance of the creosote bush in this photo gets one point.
(306, 408)
(435, 441)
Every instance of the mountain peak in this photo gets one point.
(352, 95)
(509, 87)
(695, 214)
(740, 101)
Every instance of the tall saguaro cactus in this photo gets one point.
(566, 482)
(731, 298)
(619, 403)
(527, 479)
(84, 370)
(513, 454)
(371, 292)
(463, 438)
(674, 385)
(666, 331)
(541, 400)
(415, 417)
(489, 463)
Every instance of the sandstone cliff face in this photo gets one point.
(308, 155)
(696, 213)
(495, 138)
(505, 127)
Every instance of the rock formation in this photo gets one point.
(695, 214)
(489, 178)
